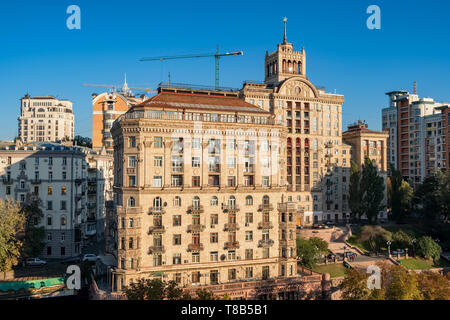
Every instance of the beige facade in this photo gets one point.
(317, 160)
(199, 187)
(45, 119)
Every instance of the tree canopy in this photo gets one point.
(12, 223)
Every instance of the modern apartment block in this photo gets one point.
(46, 119)
(57, 174)
(417, 135)
(107, 107)
(318, 161)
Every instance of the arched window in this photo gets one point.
(299, 67)
(131, 202)
(196, 202)
(232, 202)
(284, 65)
(214, 201)
(297, 142)
(157, 202)
(177, 202)
(266, 199)
(249, 200)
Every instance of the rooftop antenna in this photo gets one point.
(284, 38)
(169, 78)
(415, 87)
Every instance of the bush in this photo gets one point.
(427, 248)
(401, 240)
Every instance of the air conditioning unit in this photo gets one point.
(247, 224)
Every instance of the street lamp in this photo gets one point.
(389, 248)
(413, 246)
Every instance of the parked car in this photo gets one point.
(71, 260)
(400, 252)
(90, 257)
(350, 254)
(35, 262)
(299, 227)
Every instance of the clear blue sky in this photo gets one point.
(39, 55)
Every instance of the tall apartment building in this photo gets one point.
(45, 118)
(107, 107)
(200, 191)
(417, 135)
(57, 174)
(318, 161)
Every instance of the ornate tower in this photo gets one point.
(285, 62)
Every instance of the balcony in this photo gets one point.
(214, 168)
(196, 228)
(195, 209)
(265, 225)
(156, 229)
(265, 243)
(36, 181)
(231, 245)
(287, 207)
(156, 210)
(249, 169)
(231, 227)
(195, 247)
(78, 181)
(265, 207)
(92, 205)
(177, 169)
(329, 145)
(92, 180)
(156, 249)
(230, 208)
(7, 181)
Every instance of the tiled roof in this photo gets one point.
(177, 100)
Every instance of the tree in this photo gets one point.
(354, 285)
(426, 197)
(375, 237)
(402, 285)
(372, 190)
(399, 195)
(308, 250)
(401, 240)
(320, 244)
(12, 222)
(434, 286)
(204, 294)
(355, 196)
(146, 289)
(34, 241)
(427, 248)
(82, 141)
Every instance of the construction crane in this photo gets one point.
(216, 55)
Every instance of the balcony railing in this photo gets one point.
(231, 245)
(156, 249)
(195, 247)
(36, 181)
(195, 209)
(177, 169)
(7, 181)
(249, 169)
(230, 208)
(156, 229)
(265, 243)
(265, 207)
(156, 210)
(265, 225)
(214, 168)
(231, 227)
(196, 228)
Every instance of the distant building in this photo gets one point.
(62, 177)
(417, 134)
(45, 118)
(107, 107)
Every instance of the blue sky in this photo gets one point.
(39, 55)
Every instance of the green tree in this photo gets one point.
(205, 294)
(399, 195)
(426, 198)
(12, 222)
(34, 241)
(372, 190)
(146, 289)
(355, 196)
(354, 285)
(307, 253)
(320, 244)
(375, 237)
(427, 248)
(402, 285)
(401, 240)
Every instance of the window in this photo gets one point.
(214, 237)
(195, 162)
(196, 181)
(196, 277)
(214, 219)
(231, 255)
(157, 142)
(231, 181)
(232, 274)
(248, 254)
(177, 239)
(195, 257)
(132, 142)
(265, 272)
(157, 181)
(214, 256)
(157, 161)
(132, 162)
(63, 205)
(249, 200)
(248, 218)
(49, 190)
(49, 205)
(248, 235)
(196, 143)
(49, 220)
(231, 162)
(214, 201)
(132, 181)
(249, 272)
(177, 220)
(177, 258)
(265, 181)
(177, 202)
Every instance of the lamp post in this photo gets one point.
(389, 248)
(413, 247)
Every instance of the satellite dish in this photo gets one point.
(222, 257)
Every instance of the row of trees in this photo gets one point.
(397, 283)
(366, 191)
(156, 289)
(20, 234)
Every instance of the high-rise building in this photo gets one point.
(318, 161)
(107, 107)
(45, 118)
(417, 135)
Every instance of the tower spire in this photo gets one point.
(284, 38)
